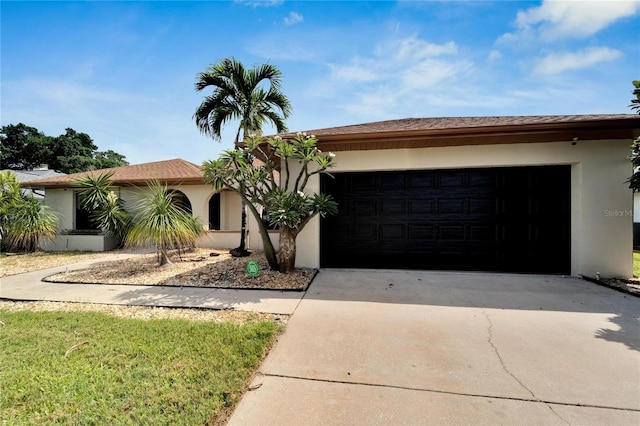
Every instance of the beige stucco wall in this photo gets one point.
(62, 201)
(601, 218)
(80, 242)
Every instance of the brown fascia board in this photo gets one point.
(117, 183)
(484, 135)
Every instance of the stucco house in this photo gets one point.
(540, 194)
(218, 211)
(514, 194)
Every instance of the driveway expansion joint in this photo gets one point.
(439, 391)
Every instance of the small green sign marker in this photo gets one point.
(253, 268)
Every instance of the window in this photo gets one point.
(83, 217)
(181, 201)
(214, 212)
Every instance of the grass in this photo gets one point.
(131, 371)
(636, 264)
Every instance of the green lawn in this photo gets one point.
(636, 264)
(131, 371)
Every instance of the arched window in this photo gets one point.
(214, 211)
(182, 200)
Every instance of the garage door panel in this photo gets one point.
(451, 233)
(392, 231)
(392, 207)
(364, 231)
(482, 232)
(422, 206)
(451, 180)
(422, 232)
(365, 207)
(422, 180)
(452, 205)
(501, 219)
(392, 182)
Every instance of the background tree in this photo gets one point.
(250, 96)
(277, 183)
(634, 180)
(108, 159)
(25, 148)
(24, 222)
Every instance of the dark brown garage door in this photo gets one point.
(513, 219)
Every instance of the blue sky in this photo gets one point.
(123, 72)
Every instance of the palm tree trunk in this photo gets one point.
(243, 229)
(241, 251)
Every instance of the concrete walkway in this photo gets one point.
(29, 286)
(401, 348)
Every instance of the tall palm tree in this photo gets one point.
(250, 96)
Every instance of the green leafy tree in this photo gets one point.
(250, 96)
(277, 184)
(24, 222)
(24, 147)
(109, 159)
(72, 152)
(634, 180)
(159, 221)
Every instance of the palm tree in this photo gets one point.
(107, 210)
(24, 222)
(161, 222)
(251, 96)
(10, 200)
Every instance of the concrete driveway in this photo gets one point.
(397, 347)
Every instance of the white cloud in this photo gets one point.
(494, 55)
(555, 19)
(558, 62)
(293, 18)
(260, 3)
(413, 48)
(353, 73)
(396, 79)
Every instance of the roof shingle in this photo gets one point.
(172, 172)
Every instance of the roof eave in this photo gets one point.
(117, 183)
(483, 135)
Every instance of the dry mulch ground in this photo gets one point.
(196, 268)
(146, 313)
(626, 286)
(199, 268)
(13, 264)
